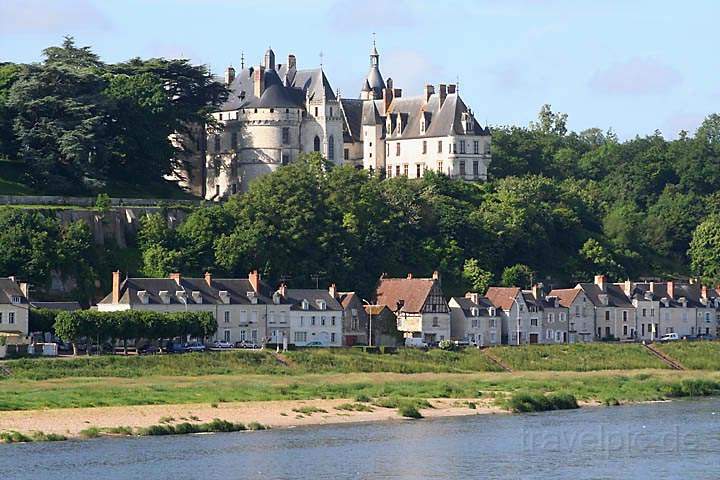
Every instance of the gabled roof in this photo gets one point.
(616, 295)
(376, 309)
(502, 297)
(8, 289)
(566, 296)
(352, 111)
(466, 305)
(411, 293)
(295, 296)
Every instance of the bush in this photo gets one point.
(446, 345)
(694, 388)
(361, 397)
(524, 402)
(611, 402)
(91, 432)
(409, 411)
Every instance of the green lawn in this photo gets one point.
(577, 357)
(703, 355)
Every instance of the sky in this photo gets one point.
(635, 66)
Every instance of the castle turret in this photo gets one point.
(269, 59)
(374, 84)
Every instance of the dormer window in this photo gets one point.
(491, 311)
(276, 298)
(475, 312)
(252, 297)
(143, 296)
(224, 296)
(305, 305)
(16, 299)
(197, 296)
(164, 296)
(321, 304)
(181, 296)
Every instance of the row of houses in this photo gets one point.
(249, 310)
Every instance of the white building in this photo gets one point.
(396, 135)
(580, 313)
(316, 317)
(14, 307)
(475, 319)
(521, 315)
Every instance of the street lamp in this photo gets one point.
(370, 342)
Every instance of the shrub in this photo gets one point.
(355, 407)
(409, 411)
(256, 426)
(308, 410)
(524, 402)
(472, 405)
(14, 437)
(446, 345)
(694, 388)
(611, 402)
(91, 432)
(361, 397)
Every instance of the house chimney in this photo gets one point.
(703, 292)
(292, 62)
(333, 290)
(229, 75)
(600, 281)
(176, 276)
(254, 279)
(671, 290)
(537, 291)
(474, 297)
(436, 276)
(442, 88)
(283, 290)
(397, 93)
(208, 279)
(429, 91)
(25, 289)
(409, 276)
(116, 287)
(452, 88)
(627, 287)
(259, 81)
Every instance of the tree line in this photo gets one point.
(113, 327)
(79, 125)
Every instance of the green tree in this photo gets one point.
(477, 279)
(704, 251)
(517, 276)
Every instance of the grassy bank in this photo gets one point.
(214, 390)
(578, 357)
(693, 355)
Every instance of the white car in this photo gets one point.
(669, 337)
(222, 344)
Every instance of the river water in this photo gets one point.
(651, 441)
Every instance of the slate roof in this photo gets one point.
(66, 306)
(616, 295)
(466, 304)
(659, 290)
(284, 88)
(296, 296)
(237, 290)
(352, 109)
(9, 288)
(502, 297)
(411, 292)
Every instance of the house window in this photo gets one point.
(221, 116)
(301, 336)
(332, 337)
(226, 335)
(462, 167)
(316, 111)
(476, 168)
(462, 146)
(332, 321)
(331, 148)
(533, 322)
(316, 144)
(625, 330)
(322, 321)
(0, 317)
(397, 149)
(435, 322)
(440, 166)
(217, 143)
(227, 317)
(285, 135)
(312, 320)
(424, 147)
(11, 318)
(285, 158)
(397, 170)
(625, 316)
(405, 169)
(234, 140)
(607, 315)
(551, 317)
(440, 146)
(492, 323)
(476, 147)
(418, 171)
(644, 312)
(346, 154)
(389, 172)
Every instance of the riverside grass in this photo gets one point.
(698, 355)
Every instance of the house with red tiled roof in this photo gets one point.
(474, 319)
(419, 304)
(520, 314)
(581, 313)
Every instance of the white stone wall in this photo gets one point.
(373, 148)
(480, 330)
(615, 325)
(323, 326)
(20, 318)
(555, 325)
(648, 319)
(436, 333)
(581, 319)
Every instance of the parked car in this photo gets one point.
(669, 337)
(246, 344)
(314, 343)
(195, 347)
(176, 348)
(148, 350)
(415, 343)
(461, 343)
(222, 344)
(705, 336)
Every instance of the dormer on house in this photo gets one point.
(197, 297)
(224, 296)
(164, 296)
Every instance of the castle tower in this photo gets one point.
(374, 84)
(269, 59)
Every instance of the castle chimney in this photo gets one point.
(292, 62)
(452, 88)
(229, 75)
(254, 279)
(208, 279)
(627, 287)
(176, 276)
(116, 287)
(600, 281)
(259, 81)
(333, 290)
(429, 91)
(442, 88)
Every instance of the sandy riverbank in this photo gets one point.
(275, 414)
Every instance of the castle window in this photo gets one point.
(287, 110)
(316, 143)
(217, 143)
(476, 168)
(397, 149)
(462, 146)
(331, 148)
(397, 170)
(440, 146)
(234, 140)
(331, 111)
(405, 169)
(272, 110)
(424, 147)
(476, 147)
(462, 167)
(221, 116)
(346, 154)
(285, 135)
(418, 171)
(316, 111)
(256, 110)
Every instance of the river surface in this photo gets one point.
(651, 441)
